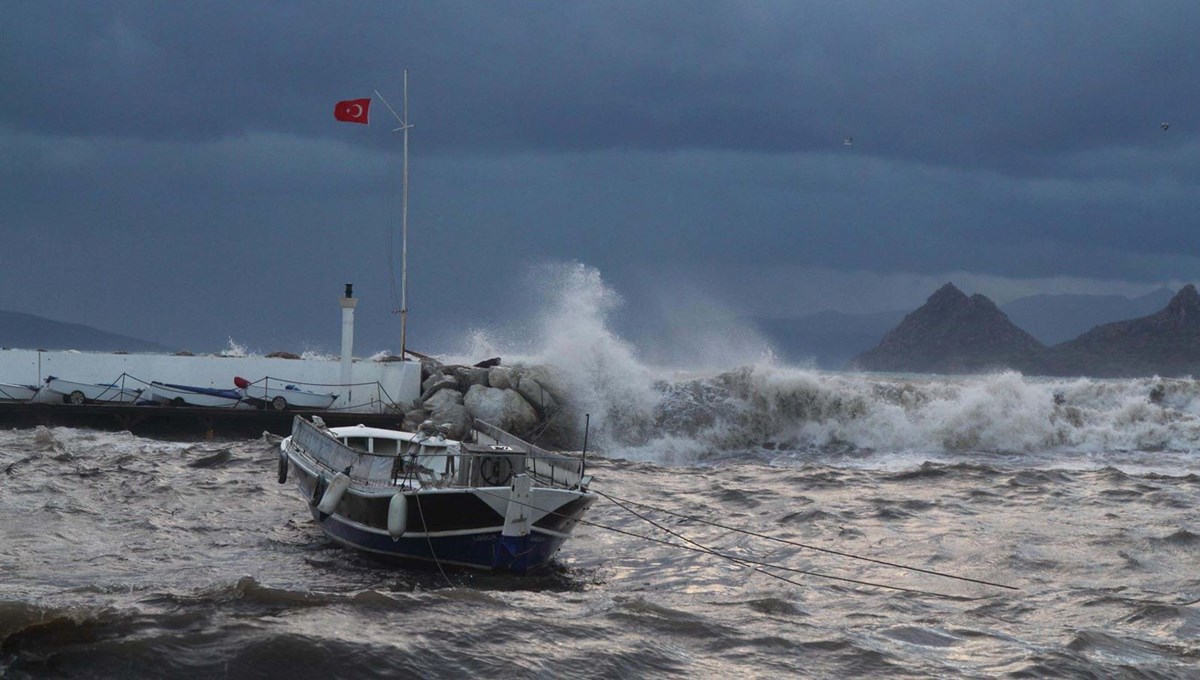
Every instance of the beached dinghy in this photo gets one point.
(281, 396)
(11, 392)
(501, 504)
(187, 395)
(83, 393)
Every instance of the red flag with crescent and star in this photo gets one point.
(352, 110)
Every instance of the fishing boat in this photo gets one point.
(280, 396)
(499, 504)
(85, 393)
(186, 395)
(12, 392)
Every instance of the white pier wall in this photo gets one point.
(400, 380)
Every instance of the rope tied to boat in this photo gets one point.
(758, 565)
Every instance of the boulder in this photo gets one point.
(413, 419)
(488, 363)
(469, 375)
(537, 396)
(436, 384)
(442, 397)
(505, 409)
(453, 415)
(502, 377)
(548, 379)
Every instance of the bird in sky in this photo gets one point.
(1164, 126)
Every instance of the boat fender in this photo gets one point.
(318, 490)
(333, 495)
(398, 515)
(283, 466)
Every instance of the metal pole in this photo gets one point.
(404, 234)
(583, 454)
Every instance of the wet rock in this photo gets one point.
(537, 396)
(442, 397)
(469, 375)
(435, 384)
(453, 416)
(414, 418)
(502, 377)
(504, 408)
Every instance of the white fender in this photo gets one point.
(516, 516)
(398, 515)
(333, 494)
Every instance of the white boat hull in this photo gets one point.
(81, 393)
(11, 392)
(168, 395)
(282, 399)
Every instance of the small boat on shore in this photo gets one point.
(12, 392)
(84, 393)
(186, 395)
(280, 396)
(500, 504)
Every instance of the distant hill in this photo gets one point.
(1053, 319)
(1166, 343)
(26, 331)
(831, 339)
(952, 333)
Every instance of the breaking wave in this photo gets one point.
(650, 412)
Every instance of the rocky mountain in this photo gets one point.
(952, 333)
(830, 339)
(27, 331)
(1166, 343)
(1053, 319)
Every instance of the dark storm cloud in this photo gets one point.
(186, 142)
(1008, 85)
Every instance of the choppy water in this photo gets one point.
(129, 557)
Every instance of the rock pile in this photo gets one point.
(523, 400)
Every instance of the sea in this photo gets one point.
(758, 520)
(736, 551)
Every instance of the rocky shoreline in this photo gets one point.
(524, 400)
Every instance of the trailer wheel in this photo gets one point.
(279, 404)
(75, 397)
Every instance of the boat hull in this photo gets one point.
(11, 392)
(456, 528)
(486, 550)
(168, 394)
(283, 399)
(80, 393)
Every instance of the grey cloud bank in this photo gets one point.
(174, 171)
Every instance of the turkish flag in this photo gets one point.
(352, 110)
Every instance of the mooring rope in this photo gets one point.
(803, 545)
(758, 565)
(700, 548)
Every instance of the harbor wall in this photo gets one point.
(374, 384)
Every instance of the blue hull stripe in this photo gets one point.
(485, 550)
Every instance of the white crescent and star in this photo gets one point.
(353, 113)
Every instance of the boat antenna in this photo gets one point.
(404, 127)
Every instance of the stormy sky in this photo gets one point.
(173, 171)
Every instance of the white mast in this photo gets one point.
(404, 230)
(404, 126)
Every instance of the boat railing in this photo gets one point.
(452, 465)
(546, 468)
